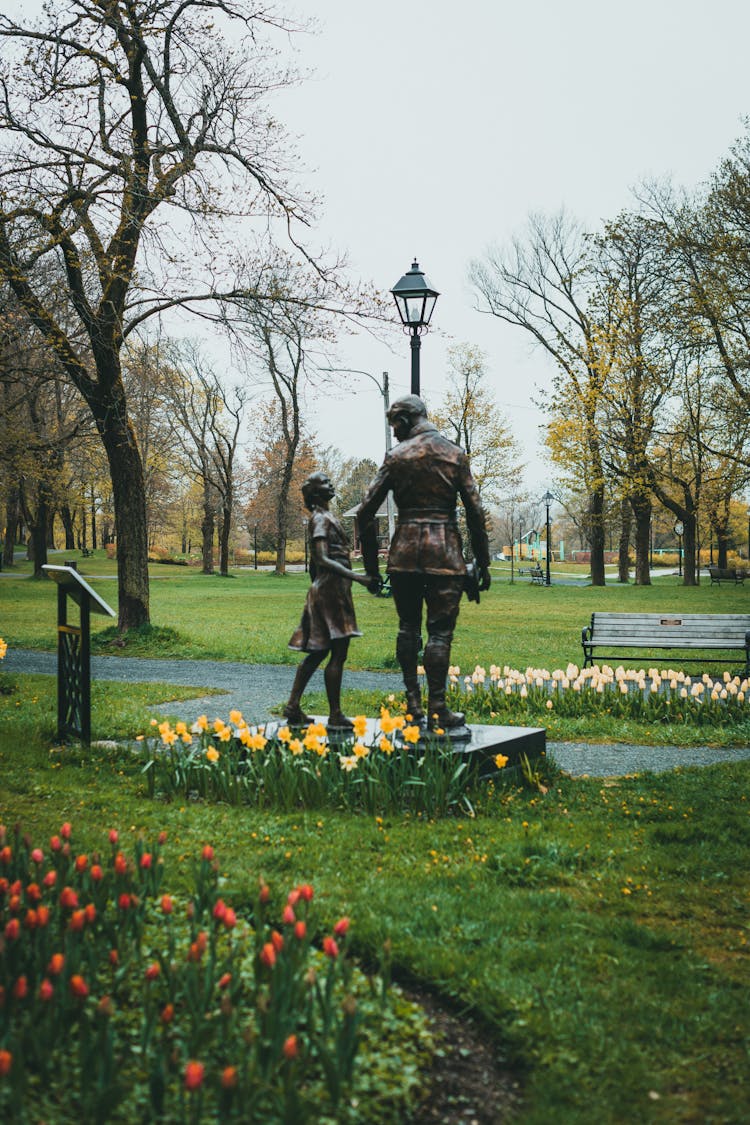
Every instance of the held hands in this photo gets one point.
(483, 574)
(374, 583)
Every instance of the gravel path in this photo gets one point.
(255, 688)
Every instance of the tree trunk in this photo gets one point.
(93, 518)
(224, 531)
(641, 505)
(37, 521)
(623, 546)
(11, 525)
(722, 546)
(66, 517)
(129, 497)
(595, 531)
(282, 512)
(207, 537)
(689, 545)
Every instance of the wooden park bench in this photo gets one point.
(719, 574)
(537, 575)
(704, 632)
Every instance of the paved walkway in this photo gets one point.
(255, 688)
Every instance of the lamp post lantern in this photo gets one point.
(415, 300)
(548, 498)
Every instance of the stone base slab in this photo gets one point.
(480, 748)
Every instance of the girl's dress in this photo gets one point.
(329, 608)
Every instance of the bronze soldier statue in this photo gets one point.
(426, 473)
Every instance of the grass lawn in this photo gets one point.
(600, 931)
(251, 615)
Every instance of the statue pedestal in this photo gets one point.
(479, 743)
(485, 742)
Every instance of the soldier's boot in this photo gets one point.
(408, 645)
(437, 656)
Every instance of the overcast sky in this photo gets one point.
(433, 129)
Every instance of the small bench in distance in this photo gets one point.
(719, 574)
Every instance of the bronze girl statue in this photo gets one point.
(328, 619)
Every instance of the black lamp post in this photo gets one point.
(383, 387)
(415, 300)
(548, 498)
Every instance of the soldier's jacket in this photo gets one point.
(426, 474)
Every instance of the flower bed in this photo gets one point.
(392, 770)
(654, 696)
(121, 1002)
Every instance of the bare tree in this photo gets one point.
(545, 284)
(133, 135)
(278, 339)
(206, 420)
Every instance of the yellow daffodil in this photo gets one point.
(180, 728)
(187, 737)
(212, 754)
(169, 737)
(296, 746)
(257, 741)
(359, 723)
(360, 750)
(3, 648)
(201, 723)
(387, 722)
(225, 734)
(348, 764)
(385, 745)
(235, 717)
(411, 734)
(285, 735)
(501, 760)
(218, 725)
(317, 730)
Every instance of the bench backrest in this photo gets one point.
(668, 630)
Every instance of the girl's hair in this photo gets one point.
(311, 488)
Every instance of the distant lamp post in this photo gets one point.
(415, 300)
(679, 529)
(383, 387)
(548, 498)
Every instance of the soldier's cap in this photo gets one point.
(410, 405)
